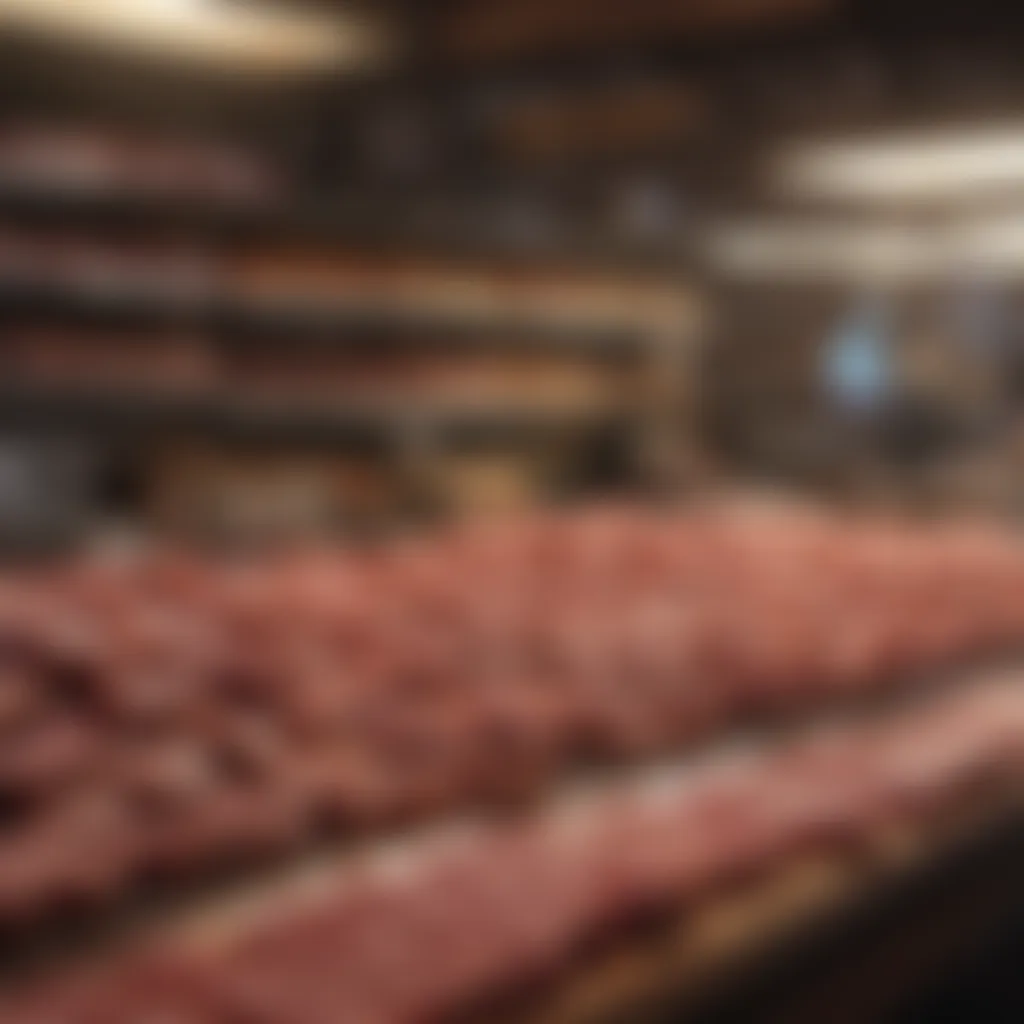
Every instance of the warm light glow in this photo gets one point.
(823, 251)
(924, 166)
(992, 244)
(883, 253)
(205, 30)
(176, 6)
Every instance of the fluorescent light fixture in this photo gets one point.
(921, 166)
(822, 251)
(210, 31)
(991, 244)
(889, 253)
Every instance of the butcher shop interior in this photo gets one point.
(511, 512)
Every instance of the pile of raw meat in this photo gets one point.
(168, 720)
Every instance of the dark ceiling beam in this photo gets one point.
(475, 33)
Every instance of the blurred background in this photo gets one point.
(295, 278)
(273, 270)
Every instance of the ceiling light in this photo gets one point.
(922, 166)
(822, 251)
(883, 253)
(205, 30)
